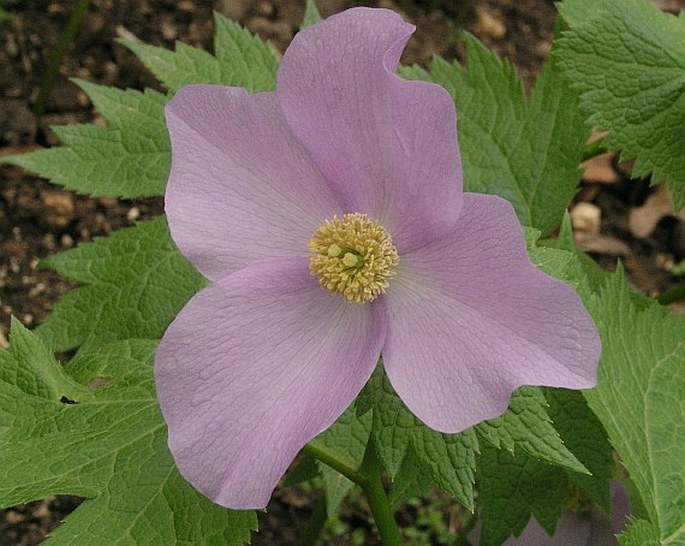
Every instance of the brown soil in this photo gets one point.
(37, 219)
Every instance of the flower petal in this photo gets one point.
(241, 188)
(472, 320)
(388, 146)
(255, 366)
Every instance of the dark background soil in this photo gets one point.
(628, 221)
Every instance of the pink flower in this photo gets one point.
(329, 218)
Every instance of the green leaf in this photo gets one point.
(585, 437)
(240, 59)
(627, 59)
(136, 282)
(40, 376)
(451, 460)
(129, 159)
(582, 268)
(526, 151)
(527, 425)
(642, 533)
(109, 446)
(347, 438)
(640, 399)
(311, 15)
(514, 488)
(392, 425)
(412, 480)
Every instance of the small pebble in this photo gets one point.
(66, 241)
(586, 218)
(133, 214)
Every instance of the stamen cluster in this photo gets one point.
(353, 256)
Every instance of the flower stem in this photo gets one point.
(368, 477)
(319, 451)
(377, 499)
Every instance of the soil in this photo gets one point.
(613, 218)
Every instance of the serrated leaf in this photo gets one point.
(586, 438)
(526, 425)
(129, 159)
(640, 399)
(240, 59)
(512, 488)
(451, 460)
(40, 375)
(641, 533)
(526, 151)
(111, 447)
(347, 438)
(392, 425)
(627, 59)
(136, 282)
(412, 480)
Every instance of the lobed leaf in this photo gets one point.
(240, 59)
(527, 425)
(585, 437)
(136, 282)
(525, 150)
(129, 159)
(512, 489)
(627, 60)
(106, 443)
(640, 400)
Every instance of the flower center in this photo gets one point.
(353, 256)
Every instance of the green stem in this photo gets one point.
(377, 499)
(318, 451)
(594, 149)
(368, 477)
(75, 20)
(317, 522)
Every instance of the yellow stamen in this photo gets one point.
(350, 260)
(353, 256)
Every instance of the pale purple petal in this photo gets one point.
(472, 320)
(387, 145)
(242, 188)
(255, 366)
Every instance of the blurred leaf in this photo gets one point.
(311, 15)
